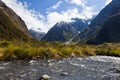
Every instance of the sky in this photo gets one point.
(41, 15)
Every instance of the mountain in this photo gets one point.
(11, 25)
(37, 35)
(92, 31)
(64, 31)
(110, 31)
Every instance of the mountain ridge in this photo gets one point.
(65, 31)
(110, 32)
(92, 30)
(12, 26)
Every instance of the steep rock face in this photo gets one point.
(64, 31)
(11, 25)
(92, 30)
(110, 31)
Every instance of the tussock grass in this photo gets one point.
(10, 50)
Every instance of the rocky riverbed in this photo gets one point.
(88, 68)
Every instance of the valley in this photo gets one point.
(77, 48)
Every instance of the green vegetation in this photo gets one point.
(10, 50)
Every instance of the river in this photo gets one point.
(87, 68)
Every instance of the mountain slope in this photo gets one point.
(64, 31)
(91, 32)
(11, 25)
(110, 31)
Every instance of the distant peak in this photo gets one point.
(60, 24)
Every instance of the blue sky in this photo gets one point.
(43, 14)
(42, 5)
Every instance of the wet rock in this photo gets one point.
(51, 60)
(32, 62)
(64, 74)
(117, 71)
(45, 77)
(60, 62)
(2, 68)
(50, 64)
(114, 70)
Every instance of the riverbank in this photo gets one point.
(17, 50)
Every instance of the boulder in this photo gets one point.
(45, 77)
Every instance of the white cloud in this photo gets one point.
(77, 2)
(88, 12)
(54, 17)
(35, 20)
(56, 5)
(107, 2)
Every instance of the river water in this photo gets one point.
(88, 68)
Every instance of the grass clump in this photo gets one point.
(65, 52)
(21, 53)
(5, 43)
